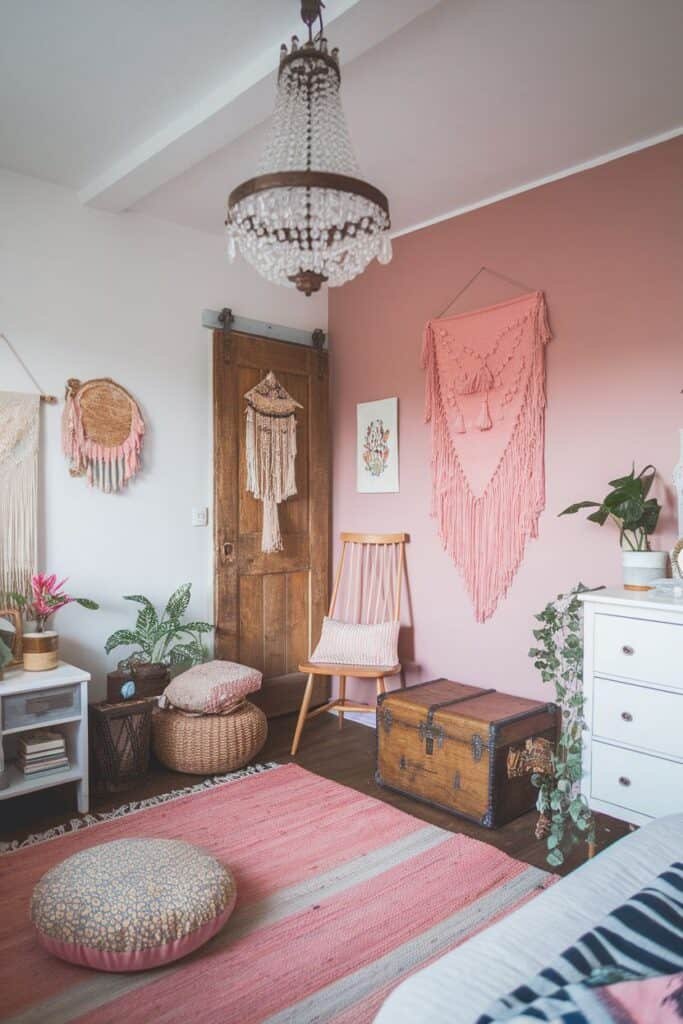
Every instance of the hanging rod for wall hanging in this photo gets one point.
(216, 320)
(48, 399)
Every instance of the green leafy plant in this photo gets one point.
(163, 639)
(565, 817)
(5, 654)
(627, 505)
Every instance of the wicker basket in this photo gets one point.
(208, 744)
(119, 736)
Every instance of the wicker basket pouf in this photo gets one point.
(208, 744)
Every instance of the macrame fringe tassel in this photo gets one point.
(486, 535)
(18, 534)
(270, 450)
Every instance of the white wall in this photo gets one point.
(85, 294)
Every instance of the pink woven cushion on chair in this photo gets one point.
(211, 688)
(350, 643)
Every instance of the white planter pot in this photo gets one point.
(641, 568)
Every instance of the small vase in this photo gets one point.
(41, 651)
(642, 568)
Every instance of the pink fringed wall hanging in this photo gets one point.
(485, 399)
(102, 432)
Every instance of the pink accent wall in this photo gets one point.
(606, 247)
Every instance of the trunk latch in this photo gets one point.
(430, 732)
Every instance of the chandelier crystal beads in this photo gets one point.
(307, 217)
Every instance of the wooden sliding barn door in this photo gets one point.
(268, 608)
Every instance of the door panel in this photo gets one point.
(269, 608)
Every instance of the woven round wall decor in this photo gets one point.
(102, 432)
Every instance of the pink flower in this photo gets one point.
(48, 596)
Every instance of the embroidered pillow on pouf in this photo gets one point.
(212, 688)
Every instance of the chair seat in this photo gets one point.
(358, 671)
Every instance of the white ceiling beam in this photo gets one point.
(244, 100)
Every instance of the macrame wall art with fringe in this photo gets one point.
(102, 432)
(271, 452)
(485, 399)
(19, 433)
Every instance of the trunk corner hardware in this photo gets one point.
(387, 719)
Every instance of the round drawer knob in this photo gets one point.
(627, 716)
(624, 780)
(627, 649)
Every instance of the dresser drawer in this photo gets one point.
(638, 782)
(639, 649)
(40, 707)
(638, 716)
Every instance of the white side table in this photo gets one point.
(57, 699)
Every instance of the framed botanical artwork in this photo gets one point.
(377, 446)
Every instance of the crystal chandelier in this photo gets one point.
(307, 217)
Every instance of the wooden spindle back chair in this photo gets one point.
(367, 589)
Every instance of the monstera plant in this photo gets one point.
(162, 638)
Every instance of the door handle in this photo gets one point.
(228, 549)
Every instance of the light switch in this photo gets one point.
(200, 516)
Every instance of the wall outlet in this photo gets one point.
(200, 516)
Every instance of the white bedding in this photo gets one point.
(462, 984)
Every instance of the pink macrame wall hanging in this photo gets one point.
(102, 433)
(485, 399)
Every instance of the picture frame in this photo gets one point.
(377, 447)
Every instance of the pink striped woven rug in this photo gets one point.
(340, 897)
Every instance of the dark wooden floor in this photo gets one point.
(347, 757)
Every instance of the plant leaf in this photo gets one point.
(571, 509)
(178, 601)
(120, 638)
(85, 602)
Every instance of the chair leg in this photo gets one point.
(381, 686)
(308, 693)
(342, 697)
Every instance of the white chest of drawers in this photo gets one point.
(33, 700)
(633, 685)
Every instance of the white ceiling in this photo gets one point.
(159, 105)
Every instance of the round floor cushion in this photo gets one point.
(132, 904)
(208, 744)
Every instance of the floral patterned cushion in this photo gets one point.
(132, 904)
(211, 688)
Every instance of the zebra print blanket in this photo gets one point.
(642, 938)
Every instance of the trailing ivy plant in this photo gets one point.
(565, 818)
(163, 639)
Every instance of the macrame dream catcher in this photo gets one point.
(485, 399)
(271, 452)
(19, 432)
(102, 432)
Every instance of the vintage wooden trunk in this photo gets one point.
(469, 750)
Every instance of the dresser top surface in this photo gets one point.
(645, 599)
(17, 680)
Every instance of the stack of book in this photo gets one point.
(42, 751)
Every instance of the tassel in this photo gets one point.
(459, 423)
(484, 417)
(271, 539)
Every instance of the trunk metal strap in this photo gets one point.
(429, 732)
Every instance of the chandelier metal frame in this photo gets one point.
(305, 65)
